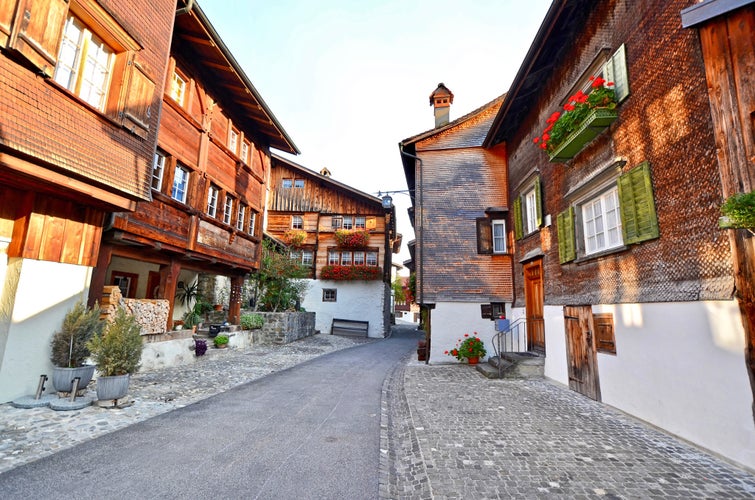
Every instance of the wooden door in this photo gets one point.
(580, 349)
(153, 285)
(533, 303)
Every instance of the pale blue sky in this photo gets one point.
(349, 79)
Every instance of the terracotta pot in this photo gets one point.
(473, 361)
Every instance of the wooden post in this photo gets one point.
(234, 304)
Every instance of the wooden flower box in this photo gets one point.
(597, 121)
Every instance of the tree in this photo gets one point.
(398, 290)
(278, 285)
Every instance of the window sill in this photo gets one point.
(598, 255)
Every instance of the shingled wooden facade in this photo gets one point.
(208, 177)
(462, 255)
(308, 210)
(617, 244)
(76, 144)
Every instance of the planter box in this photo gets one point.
(597, 121)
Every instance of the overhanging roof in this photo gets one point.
(199, 41)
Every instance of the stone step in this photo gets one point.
(514, 365)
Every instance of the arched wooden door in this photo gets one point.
(533, 303)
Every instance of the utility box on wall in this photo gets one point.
(501, 325)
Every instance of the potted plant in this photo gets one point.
(738, 212)
(221, 341)
(471, 349)
(187, 294)
(69, 351)
(117, 350)
(251, 321)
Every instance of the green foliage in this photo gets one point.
(277, 284)
(739, 210)
(69, 345)
(413, 285)
(188, 294)
(252, 321)
(220, 340)
(398, 290)
(118, 349)
(470, 347)
(194, 316)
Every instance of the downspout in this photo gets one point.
(421, 226)
(186, 9)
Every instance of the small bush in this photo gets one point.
(69, 345)
(220, 340)
(252, 321)
(118, 350)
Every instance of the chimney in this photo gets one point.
(441, 100)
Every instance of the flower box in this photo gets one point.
(351, 273)
(352, 238)
(597, 121)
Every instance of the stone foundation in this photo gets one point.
(284, 327)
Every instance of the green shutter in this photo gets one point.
(567, 242)
(639, 221)
(518, 218)
(615, 70)
(538, 203)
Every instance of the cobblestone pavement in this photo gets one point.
(29, 434)
(451, 433)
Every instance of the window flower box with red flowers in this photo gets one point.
(351, 273)
(356, 238)
(585, 116)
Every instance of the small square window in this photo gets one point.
(348, 223)
(287, 183)
(359, 258)
(329, 294)
(345, 258)
(333, 258)
(336, 222)
(360, 223)
(372, 258)
(298, 183)
(307, 258)
(297, 222)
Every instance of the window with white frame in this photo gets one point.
(297, 222)
(233, 140)
(372, 258)
(298, 183)
(359, 259)
(350, 258)
(212, 200)
(177, 89)
(333, 257)
(158, 168)
(240, 217)
(527, 209)
(336, 222)
(307, 258)
(348, 223)
(530, 211)
(180, 183)
(499, 236)
(228, 209)
(287, 183)
(601, 222)
(252, 222)
(359, 222)
(84, 63)
(245, 152)
(346, 258)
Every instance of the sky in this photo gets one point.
(349, 79)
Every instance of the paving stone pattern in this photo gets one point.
(483, 439)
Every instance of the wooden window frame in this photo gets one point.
(299, 183)
(133, 282)
(158, 170)
(178, 86)
(605, 336)
(185, 193)
(213, 192)
(287, 183)
(240, 216)
(233, 140)
(228, 209)
(297, 222)
(252, 222)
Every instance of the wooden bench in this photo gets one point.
(349, 327)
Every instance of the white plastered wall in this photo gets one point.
(450, 321)
(355, 300)
(36, 295)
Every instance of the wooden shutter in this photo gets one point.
(567, 241)
(638, 218)
(518, 233)
(137, 108)
(538, 203)
(605, 340)
(7, 12)
(37, 30)
(484, 236)
(615, 70)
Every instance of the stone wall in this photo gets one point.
(285, 327)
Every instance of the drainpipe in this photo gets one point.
(186, 9)
(421, 226)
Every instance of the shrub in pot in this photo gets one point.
(251, 321)
(117, 350)
(221, 341)
(68, 348)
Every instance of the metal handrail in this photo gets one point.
(501, 336)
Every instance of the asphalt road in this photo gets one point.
(312, 432)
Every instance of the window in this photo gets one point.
(177, 90)
(499, 236)
(298, 183)
(297, 222)
(359, 258)
(228, 209)
(158, 167)
(212, 201)
(180, 184)
(605, 340)
(307, 258)
(252, 222)
(233, 140)
(329, 295)
(245, 152)
(528, 212)
(336, 222)
(359, 223)
(287, 183)
(622, 213)
(126, 282)
(346, 258)
(348, 223)
(84, 63)
(240, 217)
(372, 258)
(349, 258)
(601, 222)
(333, 258)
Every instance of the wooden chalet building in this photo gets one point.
(346, 238)
(617, 248)
(208, 178)
(78, 127)
(462, 252)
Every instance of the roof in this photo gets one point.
(205, 46)
(563, 21)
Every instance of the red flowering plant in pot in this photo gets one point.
(470, 348)
(352, 238)
(578, 108)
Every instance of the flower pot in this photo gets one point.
(62, 378)
(110, 388)
(473, 360)
(597, 121)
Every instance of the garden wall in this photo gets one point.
(285, 327)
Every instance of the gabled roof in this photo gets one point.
(228, 79)
(563, 21)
